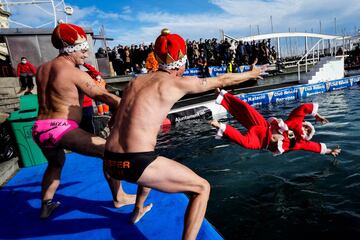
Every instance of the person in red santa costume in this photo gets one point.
(61, 87)
(25, 72)
(274, 134)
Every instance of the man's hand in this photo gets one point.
(256, 72)
(321, 119)
(335, 152)
(214, 123)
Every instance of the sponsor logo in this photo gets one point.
(301, 91)
(117, 164)
(327, 85)
(254, 98)
(270, 95)
(190, 114)
(58, 124)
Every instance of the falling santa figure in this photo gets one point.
(274, 134)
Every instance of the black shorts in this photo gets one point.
(127, 166)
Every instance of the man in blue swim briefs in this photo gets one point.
(61, 86)
(130, 154)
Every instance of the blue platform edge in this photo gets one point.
(297, 91)
(86, 211)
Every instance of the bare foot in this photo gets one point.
(47, 208)
(215, 123)
(138, 214)
(125, 200)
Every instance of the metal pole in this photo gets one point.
(306, 51)
(271, 22)
(313, 60)
(278, 47)
(55, 17)
(291, 49)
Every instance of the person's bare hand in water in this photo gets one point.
(214, 123)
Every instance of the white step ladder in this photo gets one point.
(328, 68)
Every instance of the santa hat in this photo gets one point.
(170, 50)
(309, 136)
(95, 74)
(69, 38)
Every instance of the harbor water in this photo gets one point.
(298, 195)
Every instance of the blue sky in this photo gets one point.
(139, 21)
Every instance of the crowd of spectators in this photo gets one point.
(201, 54)
(353, 59)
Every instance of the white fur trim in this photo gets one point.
(315, 109)
(308, 137)
(220, 132)
(174, 65)
(280, 123)
(220, 97)
(279, 147)
(270, 119)
(75, 48)
(323, 148)
(282, 126)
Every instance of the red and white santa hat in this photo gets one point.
(69, 38)
(170, 50)
(309, 136)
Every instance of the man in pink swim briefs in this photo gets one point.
(61, 87)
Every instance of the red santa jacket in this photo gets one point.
(26, 68)
(259, 137)
(293, 127)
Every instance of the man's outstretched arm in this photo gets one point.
(88, 86)
(317, 148)
(198, 85)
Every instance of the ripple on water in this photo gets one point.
(258, 196)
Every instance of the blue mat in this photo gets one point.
(87, 211)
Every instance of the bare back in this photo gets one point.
(58, 94)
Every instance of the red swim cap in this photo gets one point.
(66, 34)
(170, 50)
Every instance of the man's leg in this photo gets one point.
(29, 83)
(120, 198)
(243, 112)
(22, 80)
(51, 179)
(80, 141)
(255, 138)
(86, 143)
(170, 176)
(140, 210)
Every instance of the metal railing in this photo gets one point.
(312, 50)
